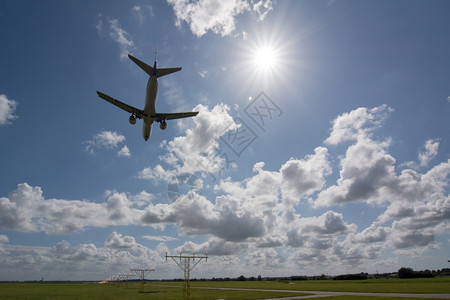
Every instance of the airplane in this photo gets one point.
(149, 114)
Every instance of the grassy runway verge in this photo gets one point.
(53, 291)
(173, 290)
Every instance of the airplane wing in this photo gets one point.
(171, 116)
(132, 110)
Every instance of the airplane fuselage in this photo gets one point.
(149, 114)
(149, 109)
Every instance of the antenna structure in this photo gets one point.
(187, 268)
(141, 273)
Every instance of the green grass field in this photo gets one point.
(173, 290)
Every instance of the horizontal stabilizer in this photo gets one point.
(147, 69)
(167, 71)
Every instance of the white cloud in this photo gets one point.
(157, 174)
(366, 171)
(196, 151)
(262, 8)
(26, 209)
(251, 217)
(16, 210)
(118, 208)
(99, 25)
(262, 206)
(142, 199)
(87, 261)
(141, 12)
(431, 149)
(304, 177)
(124, 151)
(7, 108)
(204, 15)
(3, 239)
(122, 37)
(217, 16)
(117, 241)
(417, 203)
(375, 233)
(105, 139)
(117, 33)
(161, 238)
(358, 124)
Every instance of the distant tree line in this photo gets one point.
(410, 273)
(360, 276)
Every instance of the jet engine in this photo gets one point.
(132, 120)
(162, 125)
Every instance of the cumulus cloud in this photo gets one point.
(429, 152)
(373, 234)
(417, 202)
(17, 209)
(198, 216)
(248, 219)
(258, 211)
(196, 151)
(85, 261)
(117, 241)
(304, 177)
(7, 108)
(367, 170)
(217, 16)
(124, 151)
(358, 124)
(26, 209)
(108, 140)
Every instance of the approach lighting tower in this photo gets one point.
(125, 276)
(142, 273)
(187, 268)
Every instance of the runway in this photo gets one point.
(321, 294)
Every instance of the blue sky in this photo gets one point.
(321, 146)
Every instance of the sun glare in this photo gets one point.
(265, 58)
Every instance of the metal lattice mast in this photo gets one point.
(125, 276)
(142, 273)
(187, 269)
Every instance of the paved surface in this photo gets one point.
(321, 294)
(317, 294)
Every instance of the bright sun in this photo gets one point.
(265, 58)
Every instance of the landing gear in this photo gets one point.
(132, 119)
(163, 124)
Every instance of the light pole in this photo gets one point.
(187, 268)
